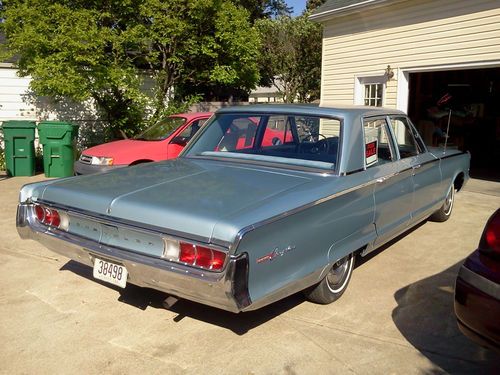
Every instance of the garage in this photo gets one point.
(412, 54)
(469, 99)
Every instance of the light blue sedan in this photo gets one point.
(264, 202)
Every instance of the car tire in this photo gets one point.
(334, 284)
(444, 212)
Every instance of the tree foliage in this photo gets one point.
(290, 57)
(104, 50)
(207, 42)
(313, 4)
(260, 9)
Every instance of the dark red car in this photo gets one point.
(477, 290)
(164, 140)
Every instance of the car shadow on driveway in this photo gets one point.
(142, 298)
(425, 316)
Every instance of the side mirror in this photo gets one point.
(181, 141)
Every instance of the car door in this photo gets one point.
(426, 174)
(393, 191)
(177, 144)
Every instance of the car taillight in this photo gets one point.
(201, 256)
(193, 255)
(490, 241)
(187, 253)
(51, 217)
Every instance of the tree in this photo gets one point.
(103, 50)
(196, 43)
(313, 4)
(260, 9)
(74, 52)
(291, 57)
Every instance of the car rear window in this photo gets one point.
(279, 138)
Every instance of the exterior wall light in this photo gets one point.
(389, 73)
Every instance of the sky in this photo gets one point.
(298, 6)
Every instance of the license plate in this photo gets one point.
(110, 272)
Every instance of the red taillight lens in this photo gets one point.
(491, 235)
(52, 217)
(47, 216)
(40, 213)
(187, 253)
(201, 256)
(218, 260)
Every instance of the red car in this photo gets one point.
(477, 290)
(164, 140)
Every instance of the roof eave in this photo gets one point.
(332, 13)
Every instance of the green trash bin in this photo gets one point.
(19, 137)
(58, 140)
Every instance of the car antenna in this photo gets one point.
(445, 99)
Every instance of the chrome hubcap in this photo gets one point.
(336, 275)
(448, 203)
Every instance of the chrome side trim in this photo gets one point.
(483, 284)
(429, 161)
(285, 214)
(450, 156)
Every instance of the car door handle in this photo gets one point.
(417, 166)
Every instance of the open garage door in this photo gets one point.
(473, 96)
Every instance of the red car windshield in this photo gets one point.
(162, 129)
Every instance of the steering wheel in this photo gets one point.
(322, 146)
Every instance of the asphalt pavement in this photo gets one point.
(395, 318)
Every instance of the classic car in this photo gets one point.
(236, 222)
(477, 289)
(161, 141)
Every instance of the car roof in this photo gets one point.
(312, 109)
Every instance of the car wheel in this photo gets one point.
(444, 212)
(334, 284)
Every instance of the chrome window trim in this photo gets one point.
(392, 147)
(335, 171)
(267, 164)
(412, 132)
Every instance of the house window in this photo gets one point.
(370, 91)
(373, 94)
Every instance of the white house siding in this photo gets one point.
(12, 91)
(407, 35)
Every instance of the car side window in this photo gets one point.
(240, 134)
(405, 140)
(191, 130)
(378, 147)
(278, 131)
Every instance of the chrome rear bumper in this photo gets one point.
(227, 290)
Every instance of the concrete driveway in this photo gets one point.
(396, 316)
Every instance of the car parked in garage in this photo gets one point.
(477, 289)
(164, 140)
(265, 201)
